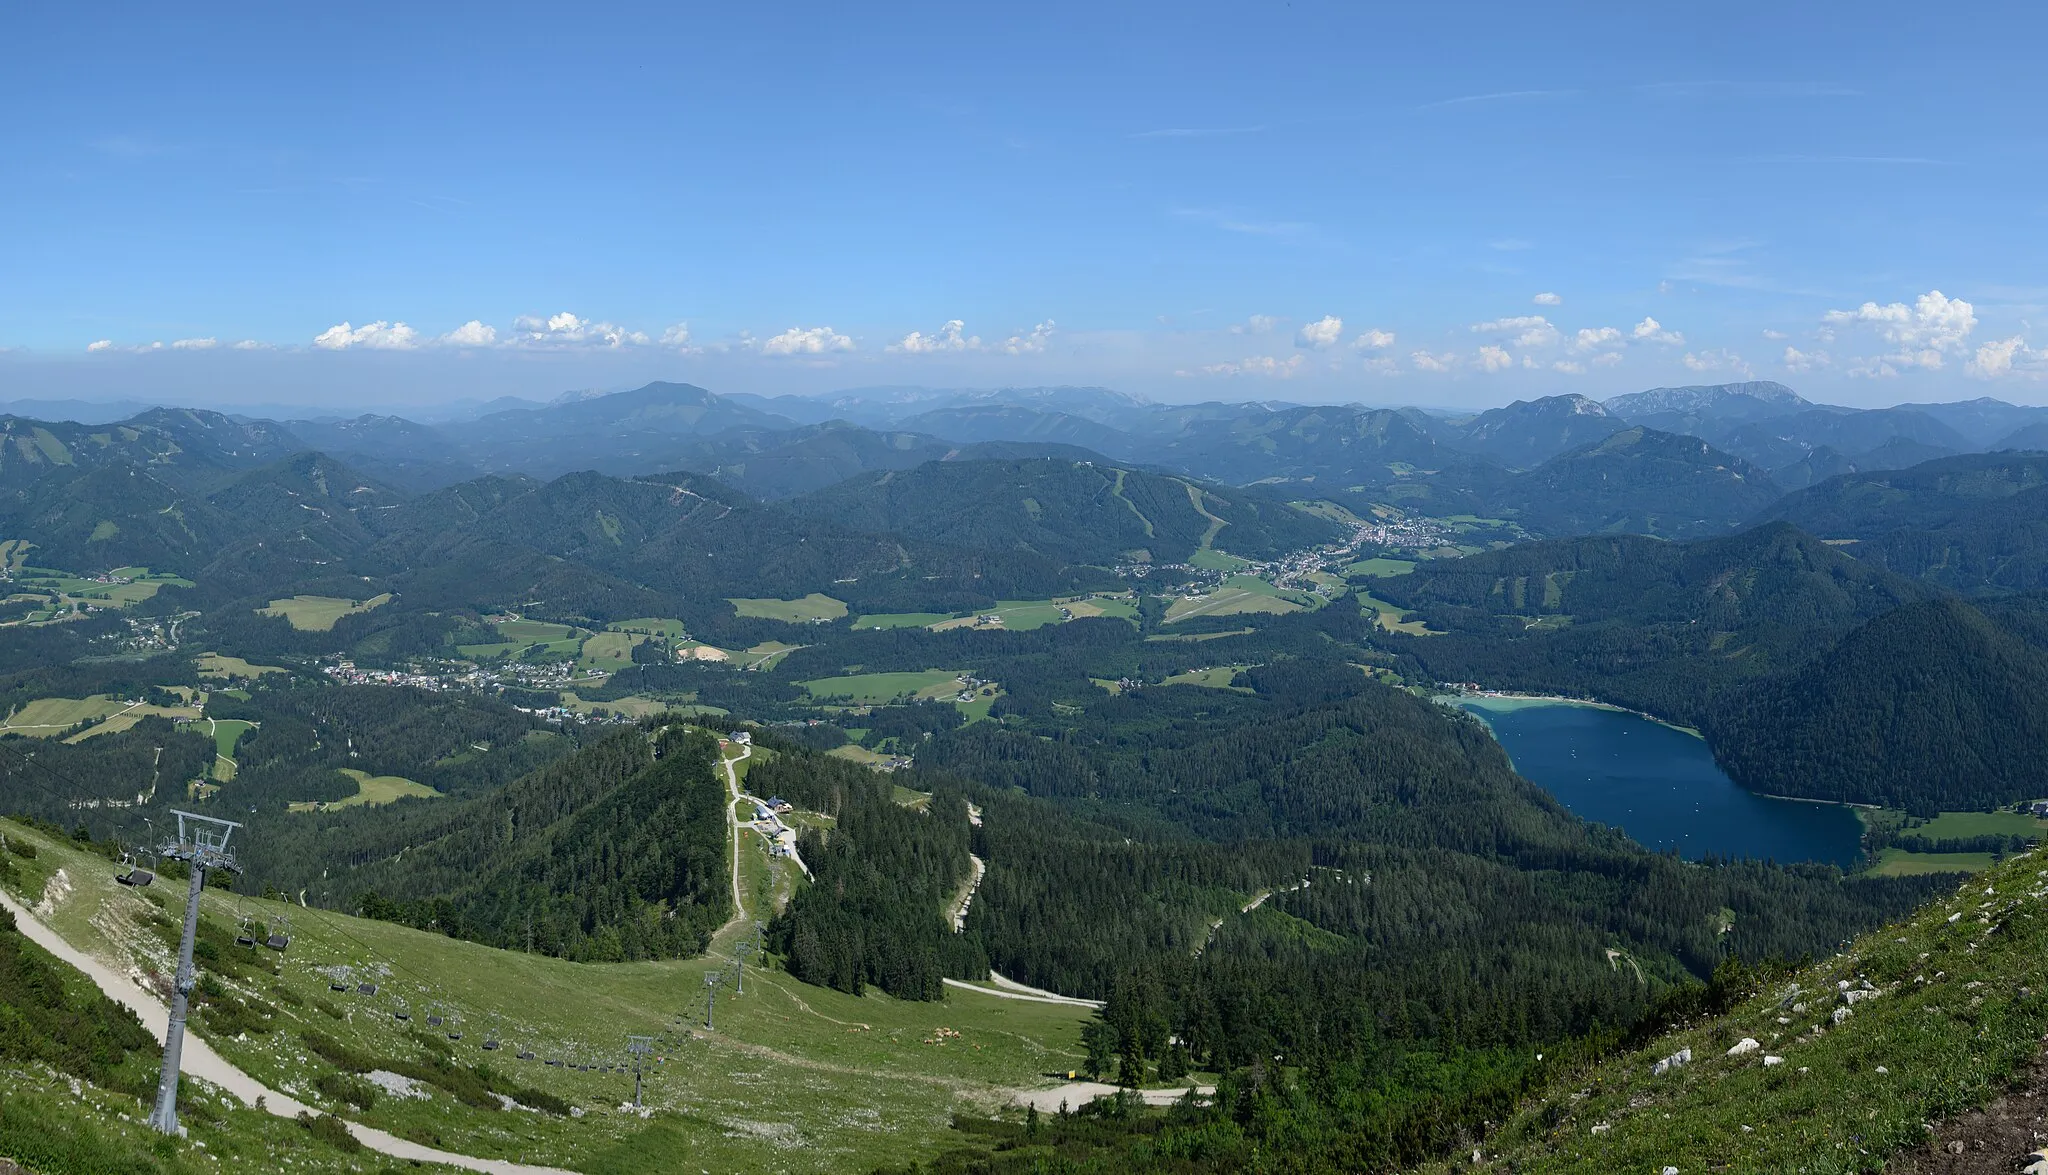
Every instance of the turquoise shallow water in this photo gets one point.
(1660, 785)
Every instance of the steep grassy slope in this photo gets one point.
(1909, 1025)
(795, 1078)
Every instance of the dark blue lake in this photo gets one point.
(1659, 785)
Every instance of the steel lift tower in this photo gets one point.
(202, 844)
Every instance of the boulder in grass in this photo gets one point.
(1747, 1044)
(1681, 1057)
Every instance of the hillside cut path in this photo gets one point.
(199, 1060)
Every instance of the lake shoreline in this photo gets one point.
(1561, 700)
(1662, 787)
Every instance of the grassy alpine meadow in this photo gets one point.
(1911, 1024)
(874, 688)
(811, 608)
(372, 790)
(902, 620)
(1381, 566)
(610, 651)
(792, 1078)
(1238, 595)
(217, 665)
(318, 613)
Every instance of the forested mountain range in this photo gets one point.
(1070, 511)
(1223, 804)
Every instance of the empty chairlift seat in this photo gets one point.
(366, 989)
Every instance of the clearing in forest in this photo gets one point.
(318, 613)
(814, 608)
(869, 689)
(371, 790)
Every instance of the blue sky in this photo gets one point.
(1454, 204)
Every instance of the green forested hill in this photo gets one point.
(617, 852)
(1527, 433)
(1639, 481)
(97, 518)
(1069, 511)
(1658, 625)
(1924, 497)
(1932, 706)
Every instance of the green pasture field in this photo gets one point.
(875, 688)
(371, 790)
(1951, 825)
(766, 655)
(1390, 618)
(226, 733)
(1211, 559)
(902, 619)
(535, 632)
(1194, 637)
(1231, 601)
(794, 1078)
(217, 665)
(652, 626)
(1219, 677)
(318, 613)
(1900, 863)
(610, 651)
(815, 606)
(1381, 566)
(855, 753)
(47, 716)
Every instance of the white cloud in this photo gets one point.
(1383, 365)
(1530, 330)
(1320, 334)
(1492, 358)
(1649, 330)
(100, 345)
(1266, 365)
(1606, 359)
(1798, 360)
(374, 336)
(1257, 324)
(2002, 357)
(568, 330)
(1922, 334)
(195, 344)
(950, 337)
(1775, 335)
(1601, 338)
(1032, 343)
(678, 336)
(817, 340)
(471, 334)
(1547, 298)
(1718, 360)
(1568, 367)
(1424, 361)
(1374, 340)
(251, 345)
